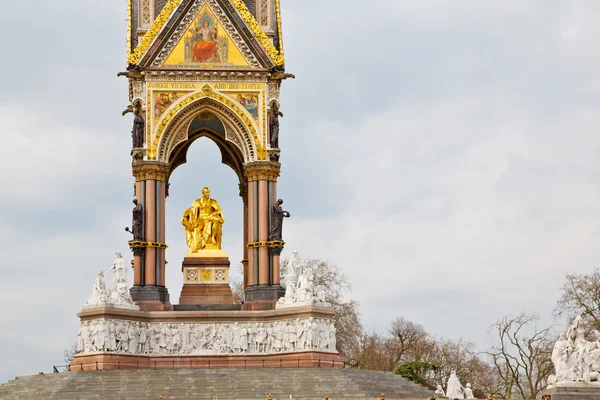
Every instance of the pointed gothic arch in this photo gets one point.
(240, 132)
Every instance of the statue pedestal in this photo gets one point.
(574, 391)
(206, 279)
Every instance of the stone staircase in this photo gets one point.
(206, 384)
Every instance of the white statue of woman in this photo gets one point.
(454, 389)
(119, 272)
(303, 287)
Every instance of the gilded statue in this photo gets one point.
(203, 222)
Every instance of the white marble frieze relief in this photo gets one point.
(159, 338)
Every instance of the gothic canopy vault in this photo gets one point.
(206, 68)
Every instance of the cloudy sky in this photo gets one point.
(444, 154)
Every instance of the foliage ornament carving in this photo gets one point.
(258, 32)
(263, 171)
(151, 170)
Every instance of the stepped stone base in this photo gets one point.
(206, 384)
(575, 391)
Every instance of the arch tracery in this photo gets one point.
(174, 125)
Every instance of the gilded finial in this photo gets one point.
(382, 397)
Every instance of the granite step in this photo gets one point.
(231, 383)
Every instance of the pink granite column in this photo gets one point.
(263, 232)
(137, 258)
(250, 233)
(245, 249)
(150, 264)
(162, 236)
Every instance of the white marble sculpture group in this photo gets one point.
(141, 338)
(299, 287)
(575, 358)
(454, 389)
(116, 297)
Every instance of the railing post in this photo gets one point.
(118, 364)
(209, 363)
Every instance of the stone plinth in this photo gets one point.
(109, 361)
(111, 338)
(206, 279)
(262, 297)
(575, 391)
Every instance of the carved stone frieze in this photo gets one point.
(145, 170)
(187, 21)
(225, 76)
(105, 335)
(263, 171)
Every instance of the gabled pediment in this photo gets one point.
(205, 34)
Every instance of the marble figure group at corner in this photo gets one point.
(575, 358)
(118, 295)
(454, 389)
(299, 286)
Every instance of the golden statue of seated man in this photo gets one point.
(203, 222)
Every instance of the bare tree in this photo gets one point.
(237, 286)
(407, 336)
(69, 354)
(581, 294)
(521, 355)
(349, 330)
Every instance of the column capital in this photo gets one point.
(262, 171)
(151, 170)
